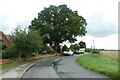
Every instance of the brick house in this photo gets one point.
(5, 39)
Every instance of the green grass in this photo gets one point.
(11, 65)
(100, 63)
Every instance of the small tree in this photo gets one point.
(74, 47)
(18, 38)
(35, 43)
(82, 44)
(26, 42)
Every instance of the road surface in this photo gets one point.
(67, 68)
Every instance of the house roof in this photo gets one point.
(7, 37)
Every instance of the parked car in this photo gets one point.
(81, 51)
(77, 52)
(68, 53)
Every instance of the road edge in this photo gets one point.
(20, 76)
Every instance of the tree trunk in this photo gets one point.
(20, 56)
(57, 48)
(51, 44)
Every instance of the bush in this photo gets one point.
(51, 52)
(87, 50)
(95, 51)
(34, 54)
(8, 53)
(92, 50)
(5, 54)
(4, 47)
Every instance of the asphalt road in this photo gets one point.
(66, 68)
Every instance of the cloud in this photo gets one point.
(8, 24)
(5, 23)
(23, 11)
(109, 42)
(99, 27)
(101, 16)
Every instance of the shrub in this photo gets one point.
(9, 53)
(4, 47)
(87, 50)
(34, 54)
(51, 52)
(95, 51)
(5, 54)
(92, 50)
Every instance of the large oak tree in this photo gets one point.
(58, 24)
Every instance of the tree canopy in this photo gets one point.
(82, 44)
(58, 24)
(74, 47)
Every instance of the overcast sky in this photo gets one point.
(101, 17)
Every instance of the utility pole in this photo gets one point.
(93, 43)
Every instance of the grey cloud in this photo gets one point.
(97, 27)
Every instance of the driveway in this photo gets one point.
(67, 68)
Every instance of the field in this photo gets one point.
(112, 54)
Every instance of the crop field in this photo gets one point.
(112, 54)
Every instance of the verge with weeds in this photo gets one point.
(100, 63)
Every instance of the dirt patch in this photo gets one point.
(113, 54)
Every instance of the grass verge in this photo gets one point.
(17, 63)
(11, 65)
(100, 63)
